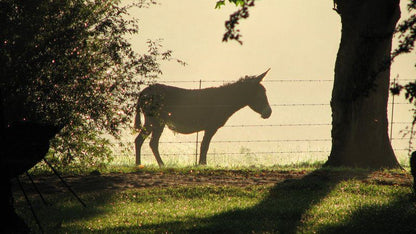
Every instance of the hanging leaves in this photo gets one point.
(232, 33)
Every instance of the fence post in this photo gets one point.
(197, 134)
(392, 113)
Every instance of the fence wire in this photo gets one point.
(290, 125)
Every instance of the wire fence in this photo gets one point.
(243, 144)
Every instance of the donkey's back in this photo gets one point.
(186, 110)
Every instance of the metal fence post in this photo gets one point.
(197, 134)
(300, 124)
(392, 113)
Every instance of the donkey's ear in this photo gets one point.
(260, 77)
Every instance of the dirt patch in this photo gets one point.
(146, 179)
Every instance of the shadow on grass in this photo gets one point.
(280, 212)
(395, 217)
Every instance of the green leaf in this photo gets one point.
(219, 4)
(239, 2)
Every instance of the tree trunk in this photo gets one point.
(361, 85)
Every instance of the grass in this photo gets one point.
(323, 201)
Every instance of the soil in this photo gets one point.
(96, 182)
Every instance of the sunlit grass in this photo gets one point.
(353, 205)
(184, 152)
(223, 160)
(146, 211)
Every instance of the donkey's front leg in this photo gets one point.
(209, 133)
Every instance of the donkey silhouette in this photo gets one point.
(191, 110)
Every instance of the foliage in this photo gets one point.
(232, 33)
(221, 3)
(407, 35)
(69, 63)
(407, 32)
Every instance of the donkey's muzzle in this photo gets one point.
(266, 113)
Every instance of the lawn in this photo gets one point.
(206, 200)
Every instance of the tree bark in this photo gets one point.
(361, 85)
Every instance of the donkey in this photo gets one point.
(192, 110)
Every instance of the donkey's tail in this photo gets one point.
(137, 121)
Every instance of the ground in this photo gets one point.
(171, 178)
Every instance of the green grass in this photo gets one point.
(323, 201)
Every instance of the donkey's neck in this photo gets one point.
(235, 96)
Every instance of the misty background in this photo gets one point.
(298, 40)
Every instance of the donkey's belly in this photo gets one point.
(186, 120)
(184, 128)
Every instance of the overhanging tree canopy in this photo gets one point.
(69, 62)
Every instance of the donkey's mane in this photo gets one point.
(241, 81)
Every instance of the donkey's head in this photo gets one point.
(258, 100)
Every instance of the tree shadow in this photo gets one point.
(54, 213)
(281, 211)
(394, 217)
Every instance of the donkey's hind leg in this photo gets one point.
(143, 134)
(154, 142)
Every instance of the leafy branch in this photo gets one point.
(232, 32)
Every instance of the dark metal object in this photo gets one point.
(37, 190)
(63, 181)
(30, 205)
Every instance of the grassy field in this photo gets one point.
(181, 155)
(206, 200)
